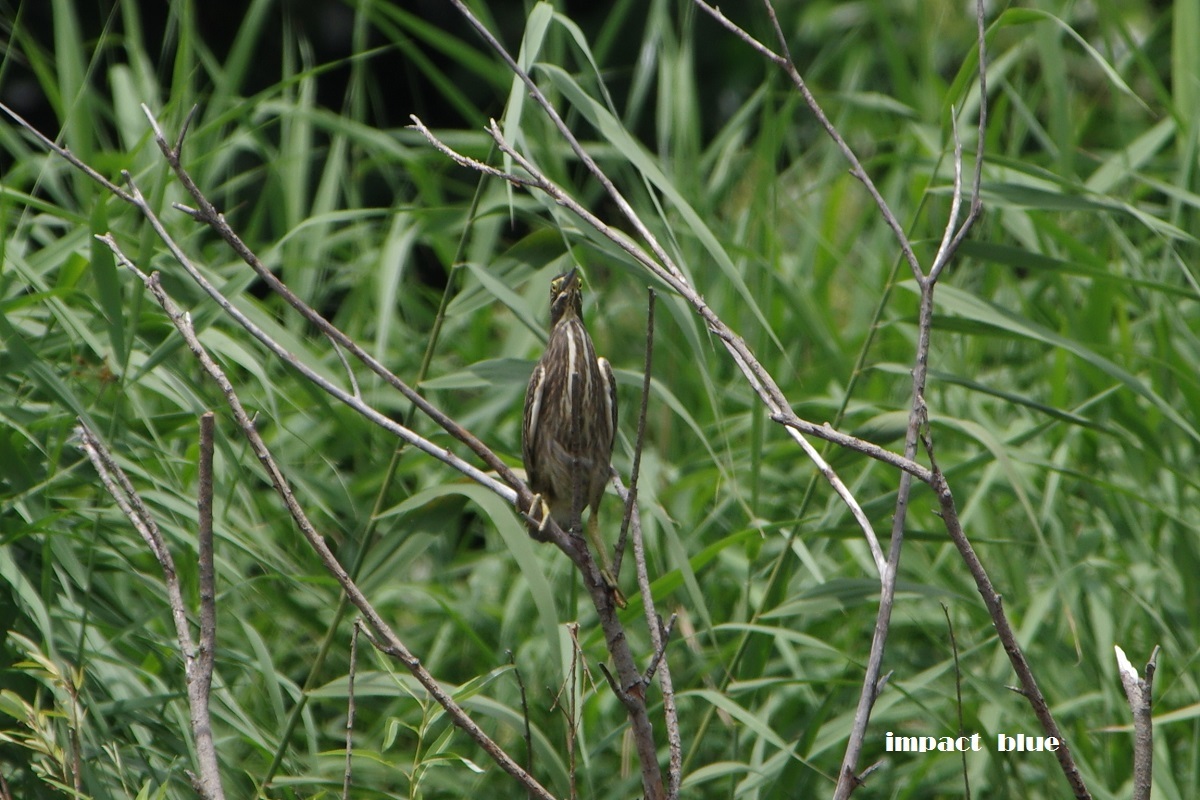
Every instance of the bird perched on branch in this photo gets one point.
(570, 422)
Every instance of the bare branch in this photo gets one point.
(665, 635)
(658, 640)
(869, 449)
(948, 249)
(732, 27)
(512, 659)
(466, 161)
(1139, 692)
(130, 502)
(1008, 639)
(976, 191)
(183, 129)
(207, 654)
(918, 419)
(848, 498)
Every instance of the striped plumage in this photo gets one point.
(570, 414)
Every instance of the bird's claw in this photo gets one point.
(540, 502)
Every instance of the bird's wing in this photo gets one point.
(533, 409)
(610, 398)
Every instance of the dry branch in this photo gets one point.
(1140, 693)
(198, 663)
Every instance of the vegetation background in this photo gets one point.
(1063, 396)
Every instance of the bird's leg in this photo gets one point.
(593, 532)
(540, 502)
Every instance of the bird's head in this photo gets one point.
(566, 296)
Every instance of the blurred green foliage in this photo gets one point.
(1063, 396)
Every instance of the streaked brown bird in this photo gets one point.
(570, 421)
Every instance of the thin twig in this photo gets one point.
(842, 491)
(183, 129)
(955, 203)
(856, 168)
(661, 651)
(66, 154)
(512, 659)
(466, 161)
(944, 257)
(617, 688)
(571, 709)
(639, 442)
(848, 442)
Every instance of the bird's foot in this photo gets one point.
(540, 502)
(537, 518)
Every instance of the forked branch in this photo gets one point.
(198, 662)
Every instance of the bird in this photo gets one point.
(570, 423)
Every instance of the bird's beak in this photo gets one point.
(571, 279)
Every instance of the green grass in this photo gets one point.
(1063, 396)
